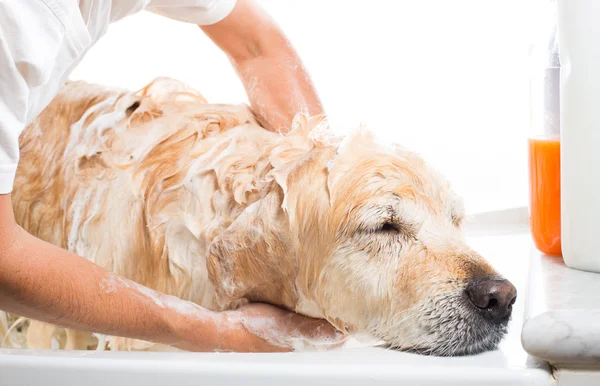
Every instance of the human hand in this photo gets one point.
(263, 328)
(284, 330)
(276, 82)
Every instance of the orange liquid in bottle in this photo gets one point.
(544, 182)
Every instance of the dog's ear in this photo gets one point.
(253, 259)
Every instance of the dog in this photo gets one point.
(198, 201)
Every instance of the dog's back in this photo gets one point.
(140, 183)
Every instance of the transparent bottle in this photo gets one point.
(544, 138)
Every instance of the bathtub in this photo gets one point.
(501, 237)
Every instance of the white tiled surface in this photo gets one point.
(563, 314)
(510, 365)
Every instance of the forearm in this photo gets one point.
(277, 84)
(43, 282)
(46, 283)
(278, 87)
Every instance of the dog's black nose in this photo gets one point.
(494, 296)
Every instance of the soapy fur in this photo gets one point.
(197, 201)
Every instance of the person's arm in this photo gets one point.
(43, 282)
(277, 84)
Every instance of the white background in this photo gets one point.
(445, 78)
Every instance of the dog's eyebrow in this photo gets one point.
(391, 211)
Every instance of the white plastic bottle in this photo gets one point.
(579, 47)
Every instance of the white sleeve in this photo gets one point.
(13, 109)
(30, 37)
(200, 12)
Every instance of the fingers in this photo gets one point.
(287, 330)
(308, 334)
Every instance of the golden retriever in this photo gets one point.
(198, 201)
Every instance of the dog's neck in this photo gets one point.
(222, 175)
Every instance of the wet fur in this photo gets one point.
(198, 201)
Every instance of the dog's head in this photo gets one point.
(369, 237)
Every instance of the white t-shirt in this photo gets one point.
(41, 41)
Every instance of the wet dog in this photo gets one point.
(198, 201)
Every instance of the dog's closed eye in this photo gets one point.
(382, 221)
(389, 227)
